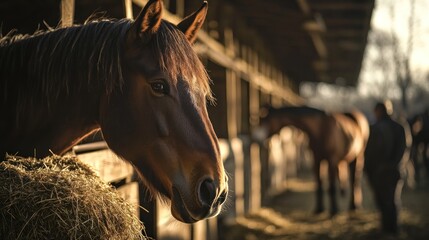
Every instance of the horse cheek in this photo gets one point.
(118, 125)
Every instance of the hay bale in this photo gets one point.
(61, 198)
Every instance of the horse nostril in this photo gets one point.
(207, 192)
(222, 197)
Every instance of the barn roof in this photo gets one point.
(313, 40)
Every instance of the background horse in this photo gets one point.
(140, 82)
(333, 137)
(419, 125)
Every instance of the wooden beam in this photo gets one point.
(345, 33)
(319, 45)
(305, 8)
(341, 21)
(338, 5)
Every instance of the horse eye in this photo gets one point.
(160, 87)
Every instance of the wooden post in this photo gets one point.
(238, 94)
(255, 160)
(180, 8)
(67, 13)
(233, 100)
(231, 83)
(237, 148)
(148, 213)
(128, 4)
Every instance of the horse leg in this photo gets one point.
(356, 172)
(414, 158)
(319, 188)
(332, 173)
(426, 159)
(342, 173)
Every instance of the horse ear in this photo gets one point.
(192, 23)
(148, 20)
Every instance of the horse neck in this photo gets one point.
(307, 123)
(59, 103)
(39, 129)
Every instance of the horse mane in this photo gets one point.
(49, 63)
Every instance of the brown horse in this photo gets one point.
(334, 137)
(140, 82)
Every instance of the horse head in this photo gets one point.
(158, 120)
(268, 125)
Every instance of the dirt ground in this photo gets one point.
(289, 216)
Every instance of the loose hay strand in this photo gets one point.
(61, 198)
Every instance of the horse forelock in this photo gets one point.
(178, 59)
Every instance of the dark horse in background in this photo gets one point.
(419, 125)
(334, 137)
(140, 82)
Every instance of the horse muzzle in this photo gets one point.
(207, 202)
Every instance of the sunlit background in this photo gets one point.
(378, 76)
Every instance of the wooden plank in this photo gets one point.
(107, 165)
